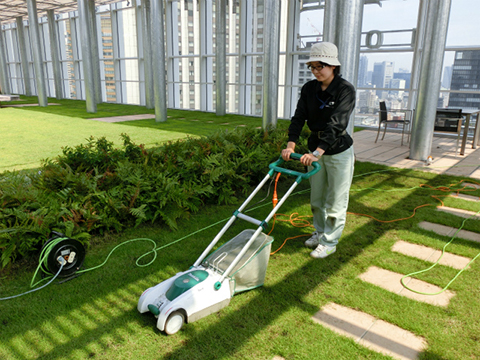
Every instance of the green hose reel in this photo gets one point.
(57, 246)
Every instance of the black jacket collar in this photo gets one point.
(333, 88)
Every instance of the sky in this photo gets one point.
(463, 30)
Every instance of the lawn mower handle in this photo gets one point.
(275, 167)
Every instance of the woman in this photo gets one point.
(326, 103)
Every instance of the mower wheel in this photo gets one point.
(174, 322)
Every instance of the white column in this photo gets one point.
(270, 62)
(343, 27)
(437, 16)
(23, 56)
(88, 72)
(158, 58)
(37, 52)
(97, 83)
(4, 81)
(221, 57)
(57, 71)
(206, 48)
(291, 66)
(247, 44)
(173, 64)
(146, 96)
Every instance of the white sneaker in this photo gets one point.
(322, 251)
(313, 241)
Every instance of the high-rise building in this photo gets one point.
(397, 84)
(447, 77)
(362, 71)
(366, 102)
(403, 76)
(465, 78)
(382, 75)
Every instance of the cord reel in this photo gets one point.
(57, 246)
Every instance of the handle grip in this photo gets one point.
(276, 167)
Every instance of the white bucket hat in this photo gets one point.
(324, 52)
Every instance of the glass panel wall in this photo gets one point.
(69, 48)
(105, 48)
(12, 57)
(47, 56)
(125, 53)
(461, 74)
(386, 64)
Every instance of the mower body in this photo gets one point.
(185, 297)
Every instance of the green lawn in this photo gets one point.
(95, 316)
(31, 134)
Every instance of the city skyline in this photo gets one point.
(402, 15)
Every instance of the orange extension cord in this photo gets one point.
(301, 222)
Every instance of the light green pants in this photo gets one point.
(329, 195)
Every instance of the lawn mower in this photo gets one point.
(238, 265)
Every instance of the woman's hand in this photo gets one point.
(308, 159)
(286, 153)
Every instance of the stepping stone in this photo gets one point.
(429, 254)
(26, 105)
(370, 332)
(450, 231)
(7, 97)
(278, 358)
(471, 185)
(114, 119)
(459, 212)
(225, 124)
(465, 197)
(390, 281)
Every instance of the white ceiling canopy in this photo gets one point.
(10, 9)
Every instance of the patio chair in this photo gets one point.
(449, 121)
(383, 120)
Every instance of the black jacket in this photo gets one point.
(338, 101)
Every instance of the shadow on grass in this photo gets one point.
(95, 331)
(98, 330)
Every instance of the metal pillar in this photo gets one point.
(23, 55)
(343, 27)
(173, 62)
(221, 57)
(119, 68)
(330, 21)
(158, 58)
(291, 69)
(57, 71)
(92, 18)
(88, 72)
(145, 41)
(37, 52)
(4, 82)
(206, 61)
(437, 16)
(419, 36)
(139, 26)
(247, 45)
(271, 63)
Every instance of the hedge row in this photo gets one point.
(94, 188)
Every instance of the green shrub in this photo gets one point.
(94, 188)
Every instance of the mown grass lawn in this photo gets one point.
(32, 134)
